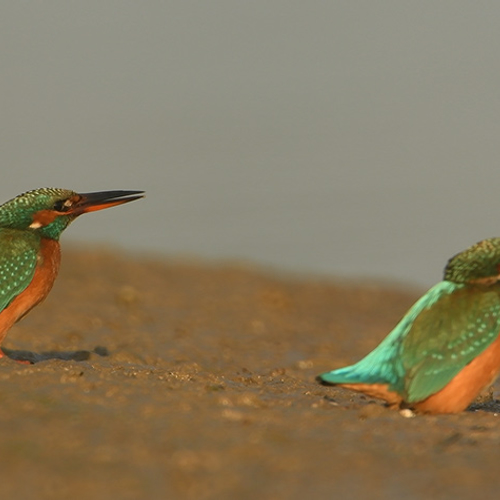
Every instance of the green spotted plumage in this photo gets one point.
(18, 212)
(452, 324)
(19, 245)
(18, 258)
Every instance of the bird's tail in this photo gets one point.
(375, 368)
(346, 375)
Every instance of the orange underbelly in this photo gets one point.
(459, 393)
(46, 271)
(379, 391)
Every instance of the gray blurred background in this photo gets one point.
(348, 138)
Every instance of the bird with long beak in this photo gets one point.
(30, 227)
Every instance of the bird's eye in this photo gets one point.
(62, 205)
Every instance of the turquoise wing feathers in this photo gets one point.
(18, 258)
(446, 338)
(443, 332)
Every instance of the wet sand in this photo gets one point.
(187, 380)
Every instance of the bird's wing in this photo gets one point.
(384, 364)
(444, 338)
(18, 258)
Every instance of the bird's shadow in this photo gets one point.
(31, 357)
(489, 406)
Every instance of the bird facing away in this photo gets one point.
(446, 349)
(30, 227)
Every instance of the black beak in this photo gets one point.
(91, 202)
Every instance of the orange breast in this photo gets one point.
(46, 271)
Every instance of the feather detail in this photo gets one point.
(29, 269)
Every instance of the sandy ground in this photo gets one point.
(167, 380)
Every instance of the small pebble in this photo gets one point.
(407, 413)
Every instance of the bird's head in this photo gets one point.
(479, 264)
(50, 210)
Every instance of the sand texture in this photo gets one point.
(185, 380)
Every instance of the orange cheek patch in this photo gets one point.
(44, 218)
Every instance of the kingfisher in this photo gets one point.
(30, 227)
(446, 348)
